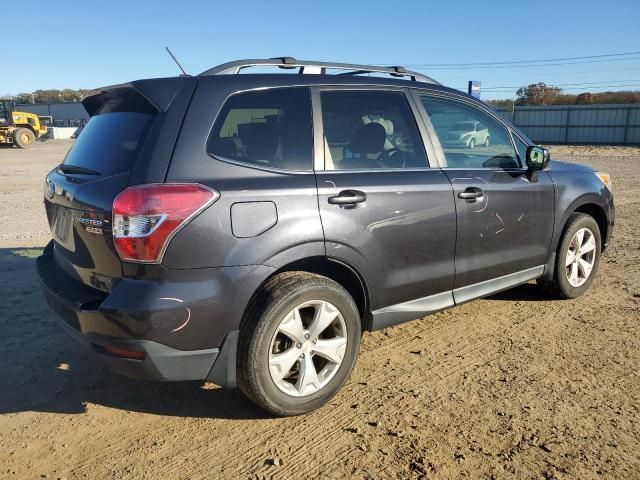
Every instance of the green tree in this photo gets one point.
(585, 98)
(537, 94)
(50, 96)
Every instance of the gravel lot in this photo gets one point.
(513, 386)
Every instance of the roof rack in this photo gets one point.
(309, 66)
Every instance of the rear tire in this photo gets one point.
(282, 372)
(23, 137)
(577, 258)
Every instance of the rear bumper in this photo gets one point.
(160, 363)
(186, 327)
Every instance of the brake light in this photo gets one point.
(146, 217)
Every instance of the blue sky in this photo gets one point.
(90, 44)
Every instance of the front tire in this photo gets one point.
(577, 258)
(472, 144)
(298, 343)
(23, 138)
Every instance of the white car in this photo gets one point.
(468, 134)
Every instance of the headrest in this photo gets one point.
(262, 142)
(368, 138)
(387, 124)
(226, 147)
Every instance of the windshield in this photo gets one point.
(110, 142)
(463, 127)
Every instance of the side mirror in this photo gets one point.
(537, 158)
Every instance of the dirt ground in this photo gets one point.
(513, 386)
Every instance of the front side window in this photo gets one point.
(267, 128)
(470, 138)
(366, 130)
(521, 147)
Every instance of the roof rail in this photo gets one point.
(309, 66)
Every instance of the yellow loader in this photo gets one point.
(19, 128)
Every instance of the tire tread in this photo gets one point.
(274, 291)
(557, 288)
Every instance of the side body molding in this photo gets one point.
(495, 285)
(403, 312)
(414, 309)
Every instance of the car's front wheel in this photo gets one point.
(577, 258)
(298, 343)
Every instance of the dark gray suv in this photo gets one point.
(245, 229)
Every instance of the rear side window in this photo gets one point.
(365, 130)
(267, 128)
(110, 142)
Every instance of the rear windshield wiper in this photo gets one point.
(75, 169)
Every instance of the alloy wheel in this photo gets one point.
(307, 348)
(581, 257)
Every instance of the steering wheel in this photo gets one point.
(387, 157)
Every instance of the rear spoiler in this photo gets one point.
(144, 96)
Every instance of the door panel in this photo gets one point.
(504, 216)
(507, 229)
(382, 210)
(401, 238)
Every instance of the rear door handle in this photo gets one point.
(348, 198)
(471, 193)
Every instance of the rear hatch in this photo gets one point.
(129, 138)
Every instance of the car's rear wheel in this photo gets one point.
(486, 142)
(298, 343)
(23, 137)
(577, 258)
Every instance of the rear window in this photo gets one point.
(267, 128)
(110, 142)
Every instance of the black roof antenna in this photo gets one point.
(185, 74)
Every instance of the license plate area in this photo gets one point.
(62, 226)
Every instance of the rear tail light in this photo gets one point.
(146, 217)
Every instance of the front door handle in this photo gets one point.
(348, 198)
(471, 193)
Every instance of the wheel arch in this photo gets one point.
(339, 271)
(597, 212)
(590, 207)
